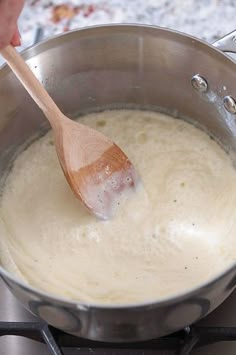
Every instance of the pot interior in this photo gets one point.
(114, 67)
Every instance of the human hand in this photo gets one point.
(9, 13)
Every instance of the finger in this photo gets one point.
(16, 39)
(9, 13)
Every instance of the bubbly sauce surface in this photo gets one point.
(176, 232)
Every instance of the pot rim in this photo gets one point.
(83, 305)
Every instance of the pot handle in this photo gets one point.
(227, 43)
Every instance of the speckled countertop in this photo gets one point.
(207, 19)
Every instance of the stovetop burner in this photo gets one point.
(182, 343)
(218, 329)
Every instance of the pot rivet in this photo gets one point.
(230, 104)
(199, 83)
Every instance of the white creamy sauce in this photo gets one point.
(176, 232)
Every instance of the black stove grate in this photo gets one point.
(182, 342)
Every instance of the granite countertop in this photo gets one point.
(206, 19)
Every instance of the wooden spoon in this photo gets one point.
(97, 170)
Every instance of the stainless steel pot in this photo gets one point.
(124, 65)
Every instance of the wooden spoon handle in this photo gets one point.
(31, 84)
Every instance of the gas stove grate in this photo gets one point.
(182, 342)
